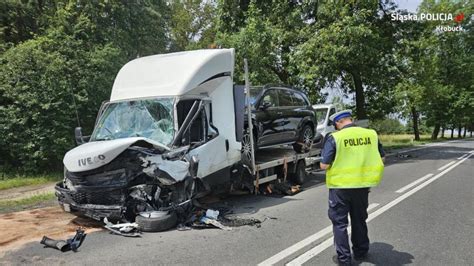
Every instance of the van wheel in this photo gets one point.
(299, 176)
(305, 140)
(156, 221)
(246, 151)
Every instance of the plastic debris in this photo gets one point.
(215, 223)
(212, 214)
(123, 229)
(65, 245)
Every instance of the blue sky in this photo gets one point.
(409, 5)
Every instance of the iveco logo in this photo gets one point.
(91, 160)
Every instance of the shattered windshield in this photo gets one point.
(149, 118)
(321, 115)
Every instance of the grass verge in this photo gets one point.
(11, 181)
(393, 142)
(35, 201)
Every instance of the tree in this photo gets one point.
(75, 60)
(351, 44)
(257, 31)
(192, 25)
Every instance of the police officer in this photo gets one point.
(353, 159)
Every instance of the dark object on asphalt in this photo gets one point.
(280, 115)
(404, 155)
(156, 221)
(65, 245)
(283, 188)
(233, 221)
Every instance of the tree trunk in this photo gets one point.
(442, 132)
(471, 133)
(459, 131)
(465, 131)
(435, 133)
(414, 116)
(452, 132)
(360, 98)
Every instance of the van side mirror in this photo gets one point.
(80, 139)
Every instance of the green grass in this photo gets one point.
(39, 200)
(399, 141)
(14, 180)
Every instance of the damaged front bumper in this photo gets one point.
(135, 181)
(77, 204)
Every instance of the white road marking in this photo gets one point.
(416, 182)
(372, 206)
(327, 243)
(292, 249)
(462, 157)
(303, 243)
(445, 166)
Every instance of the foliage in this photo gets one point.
(71, 67)
(59, 57)
(192, 25)
(387, 126)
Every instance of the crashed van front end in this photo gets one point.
(139, 179)
(168, 135)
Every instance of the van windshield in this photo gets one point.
(149, 118)
(321, 115)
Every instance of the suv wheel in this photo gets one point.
(246, 151)
(305, 141)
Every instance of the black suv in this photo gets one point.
(280, 115)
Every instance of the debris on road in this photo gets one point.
(283, 188)
(212, 214)
(215, 223)
(72, 243)
(123, 229)
(51, 221)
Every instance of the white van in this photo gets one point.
(168, 132)
(323, 112)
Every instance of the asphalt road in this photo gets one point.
(427, 221)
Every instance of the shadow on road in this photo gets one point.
(385, 254)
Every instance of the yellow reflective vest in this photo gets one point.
(357, 163)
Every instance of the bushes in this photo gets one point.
(387, 126)
(72, 51)
(39, 78)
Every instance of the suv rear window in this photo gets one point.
(285, 97)
(298, 99)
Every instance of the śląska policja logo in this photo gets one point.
(444, 17)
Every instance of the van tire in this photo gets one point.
(157, 224)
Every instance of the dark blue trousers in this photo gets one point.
(354, 202)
